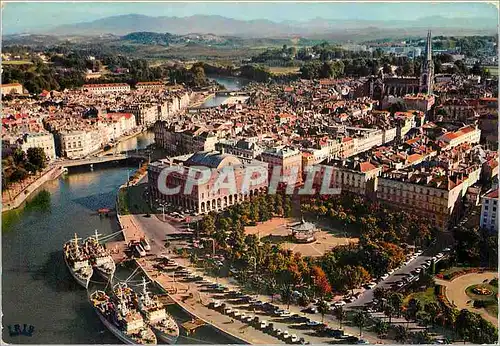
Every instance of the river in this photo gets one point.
(231, 84)
(37, 288)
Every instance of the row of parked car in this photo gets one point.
(257, 322)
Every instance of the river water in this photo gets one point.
(37, 288)
(231, 84)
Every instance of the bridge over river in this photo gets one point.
(135, 155)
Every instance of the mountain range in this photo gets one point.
(316, 28)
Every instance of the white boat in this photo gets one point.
(125, 323)
(100, 258)
(161, 322)
(77, 262)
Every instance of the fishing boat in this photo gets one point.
(161, 322)
(77, 261)
(125, 323)
(100, 258)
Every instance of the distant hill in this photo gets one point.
(167, 39)
(317, 28)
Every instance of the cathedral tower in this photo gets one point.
(427, 74)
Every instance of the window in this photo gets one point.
(494, 209)
(485, 207)
(494, 202)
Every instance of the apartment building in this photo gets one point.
(106, 88)
(203, 197)
(184, 141)
(435, 196)
(489, 212)
(243, 148)
(420, 102)
(405, 122)
(149, 85)
(287, 158)
(13, 88)
(44, 140)
(347, 147)
(468, 134)
(354, 176)
(145, 114)
(78, 144)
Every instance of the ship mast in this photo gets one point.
(145, 293)
(75, 244)
(96, 235)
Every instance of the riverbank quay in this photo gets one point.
(10, 201)
(199, 99)
(195, 304)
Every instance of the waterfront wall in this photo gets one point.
(189, 311)
(51, 174)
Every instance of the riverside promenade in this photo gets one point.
(12, 199)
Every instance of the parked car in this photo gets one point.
(313, 323)
(310, 310)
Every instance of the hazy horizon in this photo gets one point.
(29, 17)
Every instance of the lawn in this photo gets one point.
(278, 70)
(493, 70)
(453, 270)
(131, 200)
(17, 62)
(490, 300)
(424, 297)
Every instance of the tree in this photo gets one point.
(340, 315)
(321, 284)
(401, 333)
(380, 293)
(381, 328)
(414, 307)
(433, 309)
(355, 277)
(389, 312)
(208, 224)
(19, 156)
(323, 308)
(396, 300)
(360, 319)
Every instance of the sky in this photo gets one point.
(23, 17)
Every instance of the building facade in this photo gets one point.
(13, 88)
(204, 197)
(44, 140)
(106, 88)
(489, 205)
(287, 158)
(78, 144)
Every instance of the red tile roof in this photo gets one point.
(366, 167)
(493, 194)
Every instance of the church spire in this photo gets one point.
(428, 48)
(427, 74)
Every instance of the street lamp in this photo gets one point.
(254, 264)
(162, 205)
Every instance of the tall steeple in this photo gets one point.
(427, 74)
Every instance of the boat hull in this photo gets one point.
(116, 332)
(81, 281)
(169, 339)
(105, 276)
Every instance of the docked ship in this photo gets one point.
(100, 258)
(161, 322)
(125, 323)
(77, 261)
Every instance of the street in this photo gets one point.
(367, 296)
